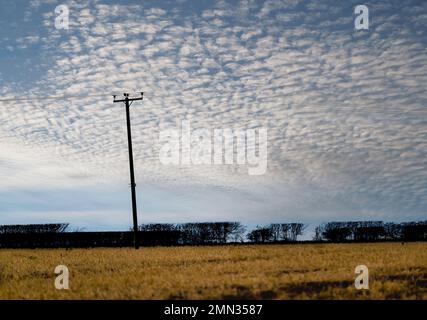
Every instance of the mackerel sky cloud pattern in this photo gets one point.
(345, 110)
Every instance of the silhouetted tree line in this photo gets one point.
(364, 231)
(66, 240)
(276, 232)
(223, 232)
(34, 228)
(56, 235)
(197, 233)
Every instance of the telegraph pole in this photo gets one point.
(128, 102)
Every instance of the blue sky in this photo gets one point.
(345, 110)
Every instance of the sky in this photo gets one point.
(345, 110)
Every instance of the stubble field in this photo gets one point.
(301, 271)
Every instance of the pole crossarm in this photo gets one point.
(127, 98)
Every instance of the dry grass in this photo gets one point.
(311, 271)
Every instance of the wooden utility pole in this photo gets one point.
(128, 102)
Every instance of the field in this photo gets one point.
(302, 271)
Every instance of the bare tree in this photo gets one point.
(235, 231)
(34, 228)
